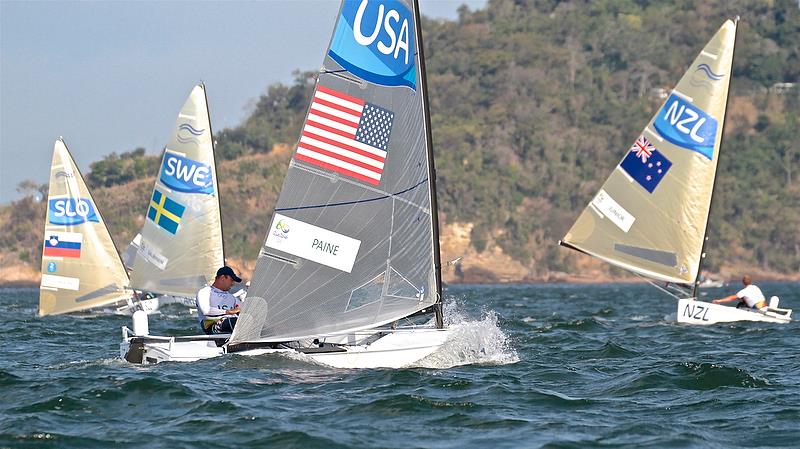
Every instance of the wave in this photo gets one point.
(709, 376)
(471, 341)
(405, 403)
(7, 379)
(581, 324)
(684, 376)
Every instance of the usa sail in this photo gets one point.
(80, 265)
(353, 243)
(650, 216)
(181, 241)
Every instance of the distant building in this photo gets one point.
(783, 88)
(659, 93)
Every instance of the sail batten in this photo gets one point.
(651, 214)
(81, 268)
(180, 247)
(351, 243)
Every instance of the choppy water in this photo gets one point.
(530, 366)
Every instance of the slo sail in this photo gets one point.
(180, 247)
(351, 256)
(651, 215)
(80, 265)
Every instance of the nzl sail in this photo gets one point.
(80, 265)
(353, 242)
(181, 241)
(651, 215)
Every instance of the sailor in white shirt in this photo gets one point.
(750, 296)
(217, 308)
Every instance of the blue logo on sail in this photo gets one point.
(374, 40)
(687, 126)
(71, 211)
(186, 175)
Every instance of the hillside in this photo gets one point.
(533, 104)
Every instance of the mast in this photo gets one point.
(214, 159)
(696, 284)
(437, 262)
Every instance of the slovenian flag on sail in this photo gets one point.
(347, 135)
(63, 244)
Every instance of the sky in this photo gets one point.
(110, 76)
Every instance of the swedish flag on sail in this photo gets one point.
(164, 212)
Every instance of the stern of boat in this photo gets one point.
(691, 311)
(139, 347)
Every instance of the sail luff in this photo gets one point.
(437, 262)
(696, 284)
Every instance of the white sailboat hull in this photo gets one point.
(691, 311)
(393, 349)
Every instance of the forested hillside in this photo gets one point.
(533, 104)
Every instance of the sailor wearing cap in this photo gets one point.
(217, 308)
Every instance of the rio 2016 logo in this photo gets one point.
(71, 211)
(281, 229)
(374, 40)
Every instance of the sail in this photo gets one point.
(80, 265)
(181, 241)
(650, 215)
(352, 242)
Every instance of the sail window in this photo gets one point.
(367, 293)
(653, 255)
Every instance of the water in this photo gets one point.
(530, 366)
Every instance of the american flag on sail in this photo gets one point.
(347, 135)
(643, 148)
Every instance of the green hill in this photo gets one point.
(533, 103)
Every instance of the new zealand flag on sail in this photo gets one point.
(647, 171)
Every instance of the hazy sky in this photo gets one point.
(111, 76)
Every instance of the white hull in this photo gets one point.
(387, 349)
(691, 311)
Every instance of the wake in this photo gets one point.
(471, 341)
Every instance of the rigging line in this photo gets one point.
(663, 289)
(346, 203)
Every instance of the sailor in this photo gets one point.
(217, 308)
(749, 297)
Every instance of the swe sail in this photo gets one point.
(81, 268)
(180, 245)
(651, 214)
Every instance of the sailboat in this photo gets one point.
(81, 268)
(651, 215)
(349, 273)
(179, 248)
